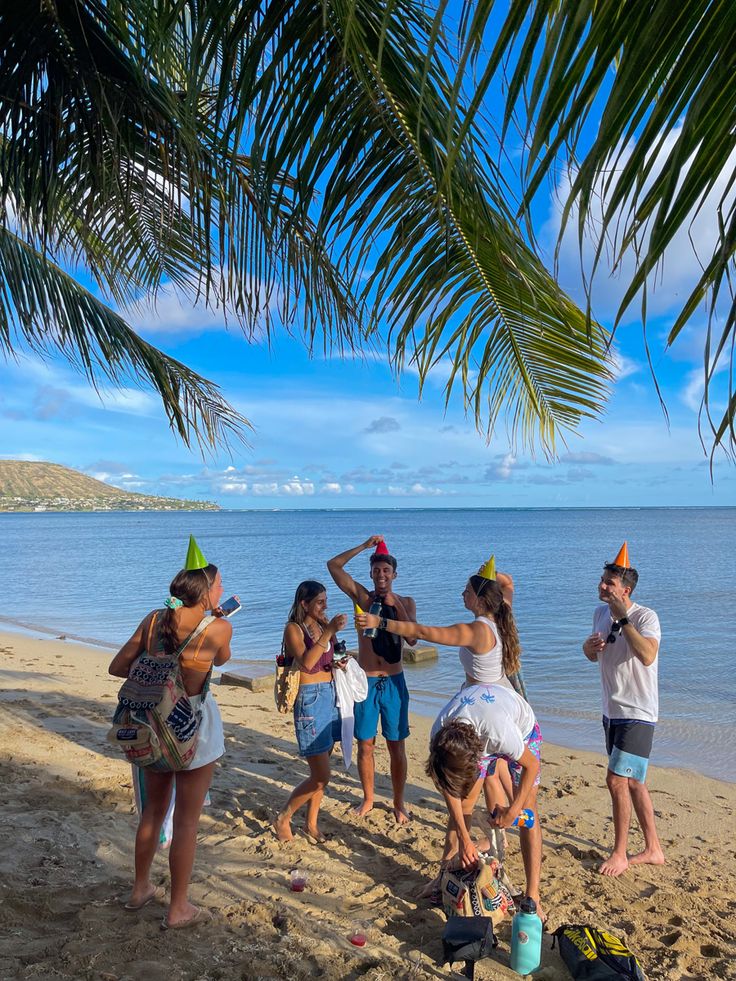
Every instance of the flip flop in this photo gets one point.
(201, 916)
(158, 894)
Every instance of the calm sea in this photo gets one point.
(94, 575)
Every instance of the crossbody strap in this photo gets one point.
(201, 626)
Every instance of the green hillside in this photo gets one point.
(28, 486)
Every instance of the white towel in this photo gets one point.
(351, 685)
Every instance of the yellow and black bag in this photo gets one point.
(594, 955)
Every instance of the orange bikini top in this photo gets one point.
(192, 661)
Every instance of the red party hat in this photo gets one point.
(381, 549)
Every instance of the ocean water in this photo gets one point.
(94, 575)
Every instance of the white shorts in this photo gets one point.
(211, 741)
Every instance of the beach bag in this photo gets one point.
(155, 724)
(286, 683)
(594, 955)
(476, 892)
(467, 938)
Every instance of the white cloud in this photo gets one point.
(296, 487)
(232, 487)
(264, 490)
(331, 488)
(687, 253)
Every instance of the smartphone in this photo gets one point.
(230, 606)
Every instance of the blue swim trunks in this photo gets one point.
(317, 720)
(629, 746)
(388, 697)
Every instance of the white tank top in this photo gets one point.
(485, 668)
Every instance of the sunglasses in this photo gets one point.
(615, 629)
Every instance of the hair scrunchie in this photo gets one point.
(173, 603)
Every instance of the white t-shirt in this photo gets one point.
(629, 688)
(499, 716)
(486, 667)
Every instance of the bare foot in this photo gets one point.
(360, 810)
(401, 814)
(315, 835)
(614, 865)
(650, 856)
(282, 827)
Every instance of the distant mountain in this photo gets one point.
(28, 486)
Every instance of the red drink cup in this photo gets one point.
(298, 880)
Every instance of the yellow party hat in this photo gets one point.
(194, 559)
(489, 569)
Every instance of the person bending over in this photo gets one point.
(481, 724)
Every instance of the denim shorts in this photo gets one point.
(317, 718)
(388, 698)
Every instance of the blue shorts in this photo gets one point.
(317, 718)
(629, 746)
(388, 697)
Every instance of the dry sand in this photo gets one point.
(66, 839)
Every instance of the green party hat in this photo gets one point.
(194, 559)
(489, 569)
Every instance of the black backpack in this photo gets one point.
(594, 955)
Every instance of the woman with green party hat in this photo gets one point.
(194, 591)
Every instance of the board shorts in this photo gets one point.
(388, 697)
(317, 720)
(629, 746)
(487, 764)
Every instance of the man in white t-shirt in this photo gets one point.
(481, 724)
(625, 643)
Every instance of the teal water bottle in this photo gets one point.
(526, 938)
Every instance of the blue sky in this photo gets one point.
(332, 432)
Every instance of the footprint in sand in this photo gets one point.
(710, 950)
(670, 939)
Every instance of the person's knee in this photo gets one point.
(616, 783)
(365, 748)
(396, 749)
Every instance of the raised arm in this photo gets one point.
(474, 635)
(336, 568)
(506, 583)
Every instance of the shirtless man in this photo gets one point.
(380, 658)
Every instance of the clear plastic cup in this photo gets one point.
(299, 880)
(358, 934)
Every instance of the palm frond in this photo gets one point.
(44, 309)
(637, 100)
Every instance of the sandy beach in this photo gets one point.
(68, 821)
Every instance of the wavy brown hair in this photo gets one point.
(454, 754)
(191, 587)
(491, 597)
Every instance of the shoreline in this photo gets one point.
(68, 823)
(577, 733)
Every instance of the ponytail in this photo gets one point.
(489, 593)
(191, 587)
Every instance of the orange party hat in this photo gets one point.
(622, 558)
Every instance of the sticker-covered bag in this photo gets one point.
(476, 892)
(155, 724)
(286, 683)
(594, 955)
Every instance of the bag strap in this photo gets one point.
(200, 628)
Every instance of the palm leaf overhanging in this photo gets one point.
(315, 157)
(637, 99)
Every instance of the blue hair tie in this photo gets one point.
(173, 603)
